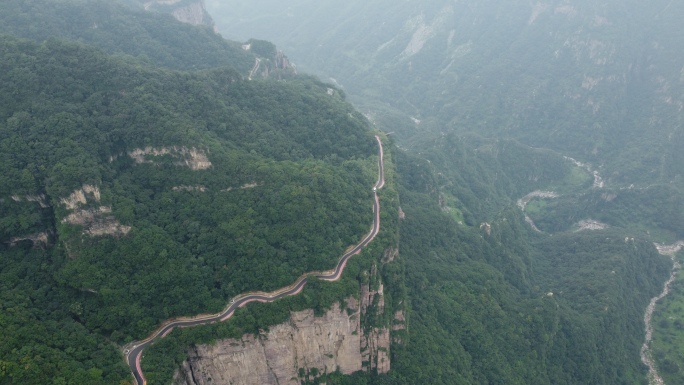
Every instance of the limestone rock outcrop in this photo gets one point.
(189, 157)
(375, 342)
(190, 12)
(328, 343)
(38, 239)
(337, 340)
(96, 220)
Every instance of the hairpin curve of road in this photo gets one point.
(133, 351)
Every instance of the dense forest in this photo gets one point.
(122, 29)
(143, 176)
(503, 304)
(131, 194)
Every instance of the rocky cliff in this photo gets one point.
(186, 11)
(376, 342)
(326, 343)
(337, 340)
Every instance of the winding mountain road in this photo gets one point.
(133, 351)
(257, 64)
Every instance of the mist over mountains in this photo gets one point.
(595, 84)
(152, 168)
(598, 81)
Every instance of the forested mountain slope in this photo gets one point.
(124, 28)
(497, 303)
(135, 194)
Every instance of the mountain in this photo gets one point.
(147, 173)
(132, 193)
(124, 28)
(143, 31)
(597, 81)
(570, 111)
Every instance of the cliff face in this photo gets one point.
(193, 13)
(95, 219)
(336, 340)
(275, 357)
(186, 11)
(375, 343)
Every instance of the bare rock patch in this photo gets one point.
(97, 220)
(190, 157)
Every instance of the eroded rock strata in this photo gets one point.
(334, 341)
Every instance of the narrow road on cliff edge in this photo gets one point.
(133, 351)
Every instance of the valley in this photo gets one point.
(454, 82)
